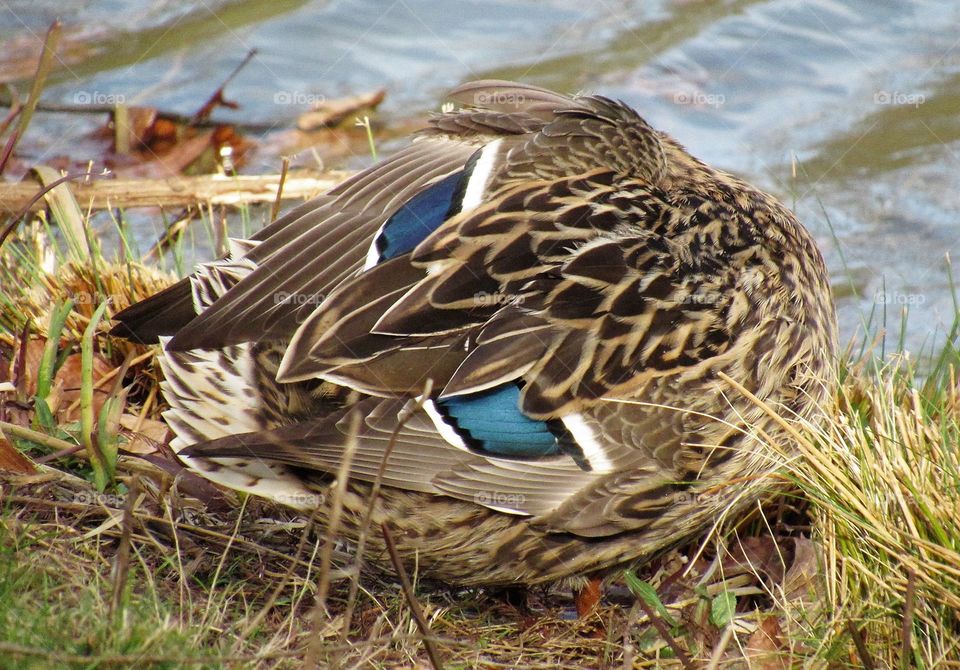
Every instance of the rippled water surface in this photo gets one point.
(848, 111)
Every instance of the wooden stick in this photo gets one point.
(177, 191)
(182, 119)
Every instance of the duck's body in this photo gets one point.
(530, 306)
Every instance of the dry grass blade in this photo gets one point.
(125, 660)
(24, 433)
(282, 583)
(94, 191)
(275, 208)
(320, 613)
(371, 504)
(66, 212)
(32, 197)
(121, 568)
(411, 598)
(44, 65)
(906, 645)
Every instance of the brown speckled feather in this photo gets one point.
(544, 367)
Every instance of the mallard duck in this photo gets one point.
(526, 321)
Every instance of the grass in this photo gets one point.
(45, 605)
(134, 562)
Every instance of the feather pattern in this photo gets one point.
(527, 312)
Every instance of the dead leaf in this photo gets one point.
(31, 352)
(331, 113)
(69, 376)
(801, 581)
(145, 436)
(171, 163)
(765, 649)
(227, 136)
(140, 130)
(755, 555)
(12, 460)
(5, 370)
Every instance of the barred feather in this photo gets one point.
(527, 311)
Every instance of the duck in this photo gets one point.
(541, 341)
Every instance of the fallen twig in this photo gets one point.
(664, 632)
(857, 636)
(175, 191)
(217, 99)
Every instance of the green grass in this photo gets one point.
(58, 600)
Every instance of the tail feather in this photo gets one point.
(211, 394)
(273, 481)
(161, 314)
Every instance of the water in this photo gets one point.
(847, 111)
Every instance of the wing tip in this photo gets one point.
(164, 313)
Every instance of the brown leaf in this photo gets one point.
(801, 581)
(5, 364)
(755, 555)
(11, 460)
(69, 376)
(331, 113)
(31, 352)
(171, 163)
(142, 128)
(145, 436)
(765, 649)
(227, 136)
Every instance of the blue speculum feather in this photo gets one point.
(491, 422)
(418, 217)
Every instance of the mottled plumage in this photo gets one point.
(533, 302)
